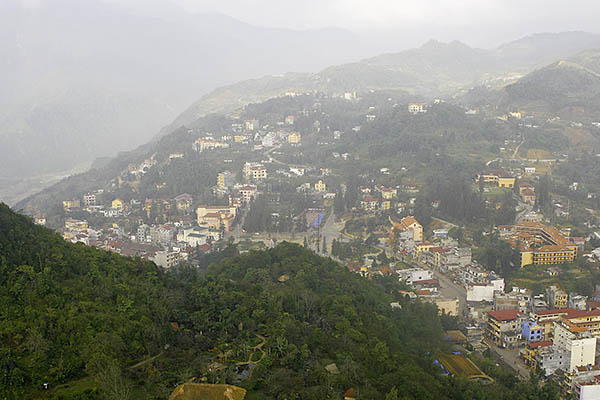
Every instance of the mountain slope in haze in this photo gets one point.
(82, 79)
(435, 69)
(544, 48)
(568, 88)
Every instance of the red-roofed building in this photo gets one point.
(592, 305)
(543, 343)
(369, 203)
(350, 394)
(504, 327)
(205, 248)
(427, 283)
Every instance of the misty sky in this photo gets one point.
(482, 23)
(477, 22)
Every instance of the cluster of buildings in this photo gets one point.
(499, 178)
(527, 192)
(557, 335)
(379, 198)
(165, 244)
(540, 244)
(425, 287)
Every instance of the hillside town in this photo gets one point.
(264, 189)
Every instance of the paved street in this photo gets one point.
(331, 230)
(510, 358)
(448, 288)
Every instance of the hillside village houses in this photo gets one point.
(320, 186)
(202, 144)
(218, 217)
(416, 108)
(225, 179)
(166, 244)
(556, 325)
(254, 171)
(248, 192)
(499, 178)
(294, 138)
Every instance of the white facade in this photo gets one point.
(589, 392)
(166, 259)
(415, 274)
(582, 346)
(498, 284)
(193, 236)
(480, 293)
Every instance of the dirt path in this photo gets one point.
(146, 361)
(258, 347)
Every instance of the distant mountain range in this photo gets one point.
(435, 69)
(88, 79)
(83, 79)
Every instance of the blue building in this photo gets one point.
(532, 332)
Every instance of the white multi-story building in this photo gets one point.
(255, 171)
(577, 341)
(415, 108)
(414, 274)
(248, 192)
(89, 199)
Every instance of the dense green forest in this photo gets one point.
(83, 319)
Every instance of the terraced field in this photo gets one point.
(459, 365)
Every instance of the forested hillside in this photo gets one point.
(271, 321)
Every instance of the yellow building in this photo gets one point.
(528, 196)
(447, 306)
(117, 204)
(386, 205)
(217, 220)
(421, 247)
(225, 179)
(183, 202)
(387, 193)
(502, 325)
(506, 182)
(320, 186)
(69, 204)
(221, 181)
(525, 186)
(294, 138)
(590, 320)
(411, 223)
(554, 254)
(530, 352)
(499, 178)
(561, 299)
(540, 244)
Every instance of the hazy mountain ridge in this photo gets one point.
(434, 69)
(560, 87)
